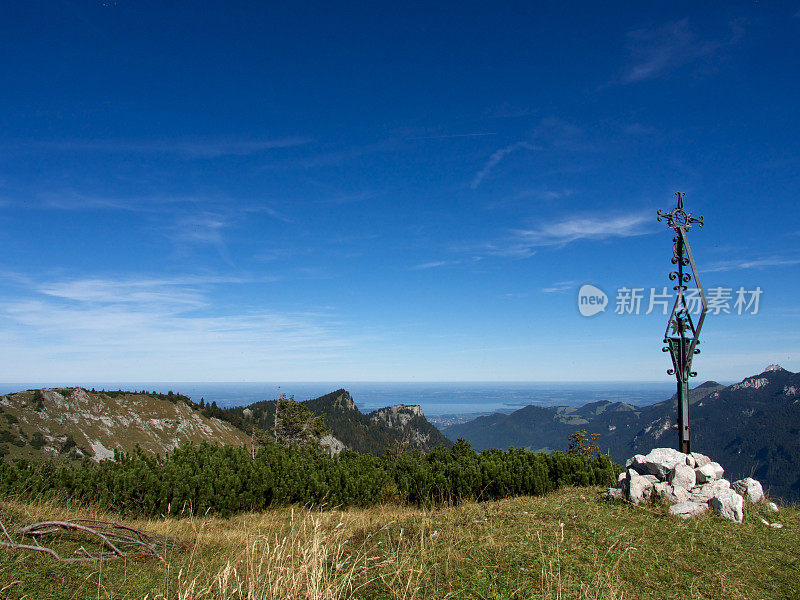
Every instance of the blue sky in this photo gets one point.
(242, 191)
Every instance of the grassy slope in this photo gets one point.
(516, 548)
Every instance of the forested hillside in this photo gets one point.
(366, 434)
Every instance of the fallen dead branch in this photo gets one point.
(115, 540)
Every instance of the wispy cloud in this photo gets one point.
(654, 52)
(451, 136)
(593, 228)
(638, 129)
(524, 243)
(761, 263)
(525, 196)
(156, 327)
(175, 293)
(495, 159)
(158, 204)
(509, 111)
(432, 265)
(189, 147)
(560, 287)
(202, 228)
(558, 133)
(72, 200)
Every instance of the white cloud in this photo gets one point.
(205, 228)
(495, 159)
(155, 328)
(202, 228)
(577, 228)
(560, 287)
(177, 292)
(735, 265)
(524, 243)
(432, 265)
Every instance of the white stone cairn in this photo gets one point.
(689, 483)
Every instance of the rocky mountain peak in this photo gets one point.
(344, 400)
(398, 415)
(775, 367)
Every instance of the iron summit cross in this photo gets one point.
(682, 336)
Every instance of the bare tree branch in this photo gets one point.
(121, 540)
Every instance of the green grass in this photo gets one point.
(568, 544)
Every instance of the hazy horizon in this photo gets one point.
(436, 398)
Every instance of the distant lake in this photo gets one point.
(435, 398)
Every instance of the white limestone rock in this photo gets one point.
(772, 506)
(614, 493)
(659, 487)
(709, 472)
(682, 476)
(331, 445)
(670, 494)
(639, 490)
(636, 463)
(750, 489)
(728, 505)
(701, 460)
(688, 509)
(704, 493)
(660, 461)
(690, 461)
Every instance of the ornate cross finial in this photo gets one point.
(678, 218)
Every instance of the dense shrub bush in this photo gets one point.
(226, 479)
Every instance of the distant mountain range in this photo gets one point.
(752, 428)
(74, 423)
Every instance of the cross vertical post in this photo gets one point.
(682, 341)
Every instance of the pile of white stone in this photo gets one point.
(689, 483)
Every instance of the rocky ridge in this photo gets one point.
(74, 423)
